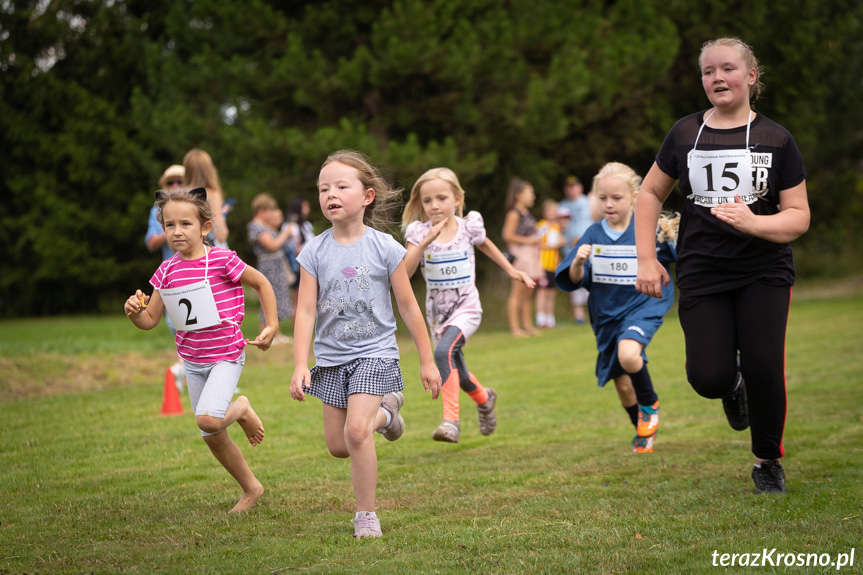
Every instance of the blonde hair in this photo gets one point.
(387, 199)
(414, 209)
(620, 171)
(667, 227)
(263, 201)
(668, 223)
(547, 204)
(200, 170)
(516, 186)
(746, 54)
(205, 212)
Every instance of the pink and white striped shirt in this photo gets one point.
(223, 342)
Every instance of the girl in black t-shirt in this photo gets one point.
(745, 190)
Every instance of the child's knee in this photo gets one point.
(625, 390)
(339, 451)
(711, 383)
(210, 424)
(623, 385)
(631, 362)
(629, 355)
(356, 434)
(441, 357)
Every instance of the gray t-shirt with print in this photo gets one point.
(355, 312)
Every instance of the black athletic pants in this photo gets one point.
(752, 320)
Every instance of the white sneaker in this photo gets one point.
(367, 525)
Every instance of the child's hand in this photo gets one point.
(302, 380)
(582, 254)
(265, 338)
(136, 303)
(523, 278)
(431, 379)
(652, 276)
(737, 214)
(434, 232)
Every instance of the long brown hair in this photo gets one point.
(516, 186)
(387, 198)
(200, 171)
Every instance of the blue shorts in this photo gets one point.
(371, 375)
(640, 329)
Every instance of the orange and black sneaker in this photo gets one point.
(648, 419)
(643, 444)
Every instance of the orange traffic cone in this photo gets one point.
(171, 398)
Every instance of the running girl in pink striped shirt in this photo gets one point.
(201, 289)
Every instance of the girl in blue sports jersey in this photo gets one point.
(624, 320)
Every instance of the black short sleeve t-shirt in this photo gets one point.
(712, 256)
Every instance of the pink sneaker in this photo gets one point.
(367, 525)
(447, 431)
(393, 402)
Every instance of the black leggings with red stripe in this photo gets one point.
(750, 320)
(448, 355)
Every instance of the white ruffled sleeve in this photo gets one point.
(416, 232)
(475, 227)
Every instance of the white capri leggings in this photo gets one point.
(212, 386)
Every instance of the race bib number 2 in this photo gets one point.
(613, 264)
(191, 307)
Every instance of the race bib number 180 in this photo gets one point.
(613, 264)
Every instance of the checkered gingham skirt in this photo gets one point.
(372, 375)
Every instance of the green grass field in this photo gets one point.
(93, 480)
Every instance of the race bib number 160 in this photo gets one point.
(449, 269)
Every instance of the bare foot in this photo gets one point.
(518, 333)
(533, 331)
(248, 500)
(251, 423)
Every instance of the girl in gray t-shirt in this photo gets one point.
(346, 274)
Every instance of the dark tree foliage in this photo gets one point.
(98, 97)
